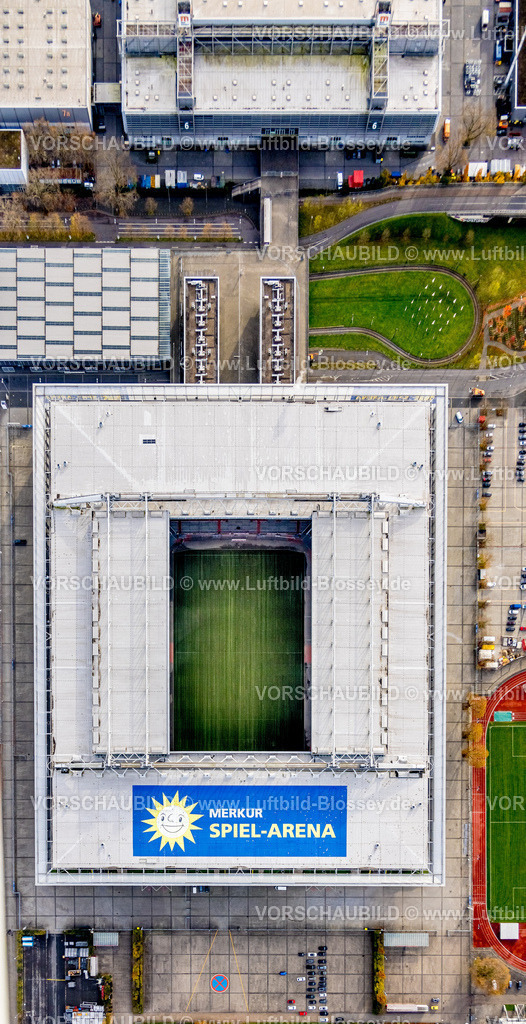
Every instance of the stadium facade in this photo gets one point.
(321, 72)
(353, 475)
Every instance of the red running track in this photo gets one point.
(510, 696)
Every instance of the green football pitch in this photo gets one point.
(506, 822)
(238, 647)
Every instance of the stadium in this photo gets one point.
(239, 634)
(242, 72)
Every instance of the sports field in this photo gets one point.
(506, 822)
(238, 640)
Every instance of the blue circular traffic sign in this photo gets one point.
(219, 983)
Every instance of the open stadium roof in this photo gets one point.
(366, 465)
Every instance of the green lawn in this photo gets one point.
(506, 822)
(428, 314)
(467, 248)
(232, 642)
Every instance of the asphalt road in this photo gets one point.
(19, 385)
(44, 985)
(477, 200)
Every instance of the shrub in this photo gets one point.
(137, 970)
(19, 976)
(107, 995)
(379, 997)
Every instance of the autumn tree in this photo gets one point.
(476, 755)
(187, 206)
(55, 228)
(80, 228)
(150, 206)
(490, 975)
(475, 732)
(478, 705)
(12, 223)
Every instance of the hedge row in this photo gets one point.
(137, 970)
(379, 997)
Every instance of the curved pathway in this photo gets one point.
(396, 349)
(483, 933)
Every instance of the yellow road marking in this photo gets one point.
(201, 971)
(238, 971)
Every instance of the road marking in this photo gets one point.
(238, 971)
(201, 971)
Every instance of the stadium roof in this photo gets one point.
(366, 464)
(234, 83)
(205, 12)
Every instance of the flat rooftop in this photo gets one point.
(113, 466)
(149, 84)
(63, 303)
(414, 83)
(47, 54)
(273, 11)
(236, 83)
(280, 83)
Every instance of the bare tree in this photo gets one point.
(115, 181)
(42, 192)
(48, 143)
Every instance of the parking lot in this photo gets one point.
(501, 536)
(254, 966)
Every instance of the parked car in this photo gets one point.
(472, 70)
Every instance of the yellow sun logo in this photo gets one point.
(172, 821)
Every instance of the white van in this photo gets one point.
(484, 19)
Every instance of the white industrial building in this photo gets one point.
(325, 72)
(46, 62)
(84, 304)
(366, 466)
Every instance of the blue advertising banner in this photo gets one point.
(240, 821)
